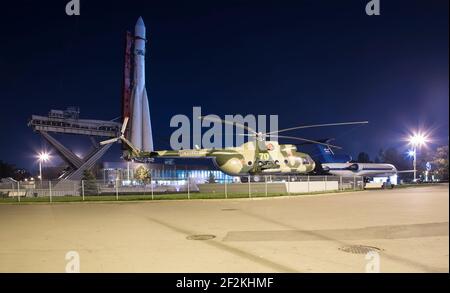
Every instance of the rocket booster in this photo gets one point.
(141, 128)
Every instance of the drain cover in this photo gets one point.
(359, 249)
(200, 237)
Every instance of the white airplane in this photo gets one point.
(340, 165)
(360, 169)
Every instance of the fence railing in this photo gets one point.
(169, 188)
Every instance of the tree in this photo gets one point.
(399, 160)
(9, 170)
(392, 156)
(440, 162)
(377, 160)
(21, 174)
(90, 184)
(379, 157)
(6, 170)
(142, 174)
(212, 178)
(424, 156)
(363, 158)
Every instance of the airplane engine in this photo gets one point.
(353, 167)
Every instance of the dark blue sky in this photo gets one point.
(309, 61)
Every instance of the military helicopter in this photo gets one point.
(255, 157)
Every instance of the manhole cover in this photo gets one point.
(200, 237)
(359, 249)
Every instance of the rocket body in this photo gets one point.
(141, 128)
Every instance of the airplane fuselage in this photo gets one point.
(359, 169)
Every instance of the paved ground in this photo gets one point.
(288, 234)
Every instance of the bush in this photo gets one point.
(90, 184)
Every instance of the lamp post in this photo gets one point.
(42, 157)
(412, 154)
(416, 140)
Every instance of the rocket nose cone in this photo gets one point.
(140, 22)
(139, 29)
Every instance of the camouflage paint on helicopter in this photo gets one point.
(251, 158)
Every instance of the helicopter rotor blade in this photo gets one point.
(124, 125)
(122, 131)
(108, 141)
(129, 144)
(237, 124)
(310, 141)
(316, 125)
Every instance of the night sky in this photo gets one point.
(310, 61)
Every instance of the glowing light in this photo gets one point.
(44, 157)
(418, 139)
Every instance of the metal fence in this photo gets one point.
(170, 188)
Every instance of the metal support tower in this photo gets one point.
(67, 122)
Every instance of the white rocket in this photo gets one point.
(141, 127)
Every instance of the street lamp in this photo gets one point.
(416, 140)
(42, 157)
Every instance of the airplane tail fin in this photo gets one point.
(326, 155)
